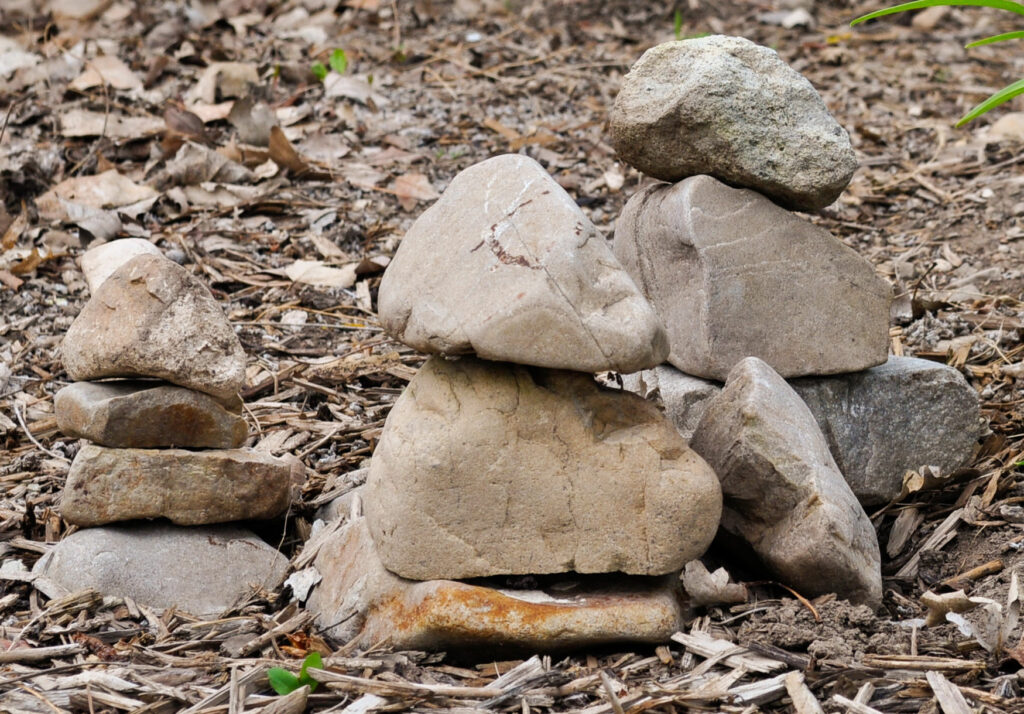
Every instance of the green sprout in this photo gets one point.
(677, 24)
(284, 682)
(338, 61)
(320, 70)
(1003, 95)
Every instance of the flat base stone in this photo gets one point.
(202, 571)
(358, 599)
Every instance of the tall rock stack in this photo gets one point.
(751, 294)
(164, 428)
(504, 457)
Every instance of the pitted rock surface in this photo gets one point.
(152, 318)
(783, 492)
(732, 275)
(486, 468)
(506, 266)
(732, 109)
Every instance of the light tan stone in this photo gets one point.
(203, 571)
(486, 468)
(146, 415)
(188, 487)
(152, 318)
(100, 262)
(732, 275)
(783, 492)
(360, 600)
(505, 265)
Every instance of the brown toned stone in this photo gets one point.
(487, 468)
(152, 318)
(99, 263)
(506, 265)
(732, 275)
(188, 487)
(146, 415)
(359, 600)
(783, 492)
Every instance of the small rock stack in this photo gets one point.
(504, 457)
(165, 443)
(752, 294)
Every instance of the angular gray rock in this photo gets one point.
(486, 468)
(684, 397)
(146, 415)
(729, 108)
(783, 492)
(900, 416)
(152, 318)
(100, 262)
(360, 601)
(732, 275)
(187, 487)
(202, 571)
(505, 265)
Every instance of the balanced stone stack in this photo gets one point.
(753, 294)
(504, 457)
(165, 432)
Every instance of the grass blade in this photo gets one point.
(1018, 35)
(1003, 95)
(919, 4)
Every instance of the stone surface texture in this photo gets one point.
(729, 108)
(733, 275)
(783, 492)
(360, 600)
(188, 487)
(684, 397)
(100, 262)
(152, 318)
(900, 416)
(486, 468)
(506, 266)
(146, 415)
(202, 571)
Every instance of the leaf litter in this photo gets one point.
(203, 128)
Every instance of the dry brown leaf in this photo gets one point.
(410, 188)
(105, 69)
(27, 265)
(283, 153)
(106, 190)
(502, 130)
(14, 231)
(316, 272)
(706, 588)
(82, 122)
(184, 122)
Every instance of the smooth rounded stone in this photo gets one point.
(488, 469)
(783, 492)
(99, 263)
(732, 109)
(146, 415)
(203, 571)
(900, 416)
(359, 600)
(187, 487)
(152, 318)
(684, 397)
(505, 265)
(732, 275)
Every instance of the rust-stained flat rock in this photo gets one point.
(187, 487)
(485, 468)
(360, 599)
(146, 415)
(152, 318)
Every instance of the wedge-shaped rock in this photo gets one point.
(783, 492)
(487, 469)
(902, 415)
(187, 487)
(146, 415)
(99, 263)
(360, 600)
(152, 318)
(729, 108)
(684, 397)
(734, 276)
(203, 571)
(505, 265)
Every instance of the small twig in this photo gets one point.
(24, 427)
(613, 698)
(7, 118)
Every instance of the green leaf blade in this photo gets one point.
(339, 61)
(282, 681)
(313, 659)
(1007, 5)
(1001, 97)
(1018, 35)
(319, 70)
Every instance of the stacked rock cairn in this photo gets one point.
(164, 432)
(505, 457)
